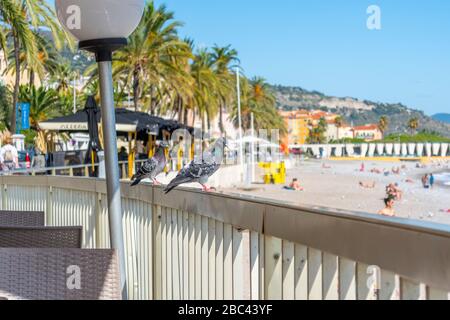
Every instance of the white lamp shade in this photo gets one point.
(100, 19)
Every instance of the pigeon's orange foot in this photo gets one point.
(207, 189)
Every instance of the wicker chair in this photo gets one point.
(40, 237)
(23, 219)
(54, 274)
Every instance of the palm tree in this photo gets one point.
(11, 16)
(24, 18)
(383, 124)
(338, 122)
(224, 59)
(206, 86)
(257, 98)
(151, 59)
(44, 103)
(413, 125)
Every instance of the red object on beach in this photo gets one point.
(28, 161)
(363, 167)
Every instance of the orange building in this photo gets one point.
(300, 123)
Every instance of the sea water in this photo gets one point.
(443, 178)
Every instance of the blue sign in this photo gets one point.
(22, 116)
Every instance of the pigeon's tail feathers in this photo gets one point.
(175, 183)
(135, 182)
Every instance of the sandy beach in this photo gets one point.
(335, 184)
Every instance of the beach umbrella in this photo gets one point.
(92, 110)
(436, 148)
(397, 149)
(444, 149)
(364, 149)
(428, 149)
(420, 147)
(412, 149)
(389, 149)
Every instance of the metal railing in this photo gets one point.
(193, 245)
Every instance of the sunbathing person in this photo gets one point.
(368, 185)
(294, 186)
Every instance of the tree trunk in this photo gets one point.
(221, 127)
(136, 89)
(31, 80)
(186, 114)
(17, 82)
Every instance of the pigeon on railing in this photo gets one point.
(201, 170)
(152, 167)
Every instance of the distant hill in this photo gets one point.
(357, 111)
(443, 117)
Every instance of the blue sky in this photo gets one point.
(325, 45)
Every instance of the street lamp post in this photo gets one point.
(102, 26)
(241, 145)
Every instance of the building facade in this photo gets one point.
(369, 132)
(301, 122)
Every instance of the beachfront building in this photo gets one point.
(369, 132)
(8, 78)
(300, 123)
(338, 133)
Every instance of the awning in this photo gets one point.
(78, 122)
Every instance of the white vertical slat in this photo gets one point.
(186, 256)
(262, 262)
(301, 272)
(157, 249)
(390, 286)
(212, 259)
(288, 265)
(164, 224)
(192, 257)
(315, 274)
(255, 266)
(347, 279)
(241, 264)
(363, 277)
(219, 261)
(273, 268)
(330, 277)
(169, 244)
(198, 257)
(175, 257)
(204, 259)
(238, 270)
(410, 290)
(228, 262)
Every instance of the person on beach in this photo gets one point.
(393, 191)
(425, 182)
(294, 186)
(368, 185)
(389, 207)
(432, 181)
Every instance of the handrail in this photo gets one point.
(32, 171)
(412, 249)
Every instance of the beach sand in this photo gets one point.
(338, 187)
